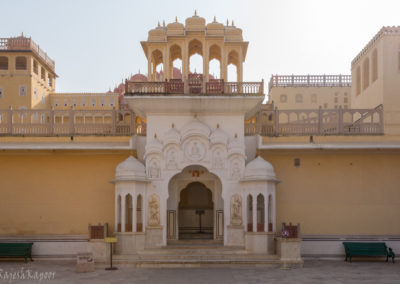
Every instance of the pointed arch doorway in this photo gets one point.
(195, 205)
(195, 212)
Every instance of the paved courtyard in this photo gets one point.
(313, 272)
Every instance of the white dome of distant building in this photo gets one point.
(259, 169)
(130, 169)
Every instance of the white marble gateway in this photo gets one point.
(194, 181)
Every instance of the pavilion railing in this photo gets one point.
(69, 122)
(317, 122)
(194, 87)
(309, 81)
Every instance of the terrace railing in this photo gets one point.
(194, 87)
(317, 122)
(23, 44)
(69, 122)
(309, 81)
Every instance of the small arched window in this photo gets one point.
(3, 63)
(283, 98)
(314, 98)
(299, 98)
(374, 65)
(21, 63)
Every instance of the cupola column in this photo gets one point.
(254, 213)
(240, 67)
(224, 70)
(166, 63)
(134, 209)
(205, 62)
(266, 217)
(149, 67)
(123, 212)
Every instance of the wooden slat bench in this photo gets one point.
(367, 249)
(16, 250)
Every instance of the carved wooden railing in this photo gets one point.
(317, 122)
(69, 122)
(195, 87)
(24, 43)
(309, 81)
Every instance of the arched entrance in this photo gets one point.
(194, 197)
(195, 212)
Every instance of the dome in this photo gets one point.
(157, 34)
(172, 136)
(259, 169)
(130, 169)
(154, 146)
(175, 28)
(138, 78)
(218, 136)
(215, 28)
(195, 127)
(236, 146)
(195, 23)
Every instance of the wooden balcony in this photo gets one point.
(26, 44)
(194, 87)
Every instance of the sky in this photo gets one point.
(96, 43)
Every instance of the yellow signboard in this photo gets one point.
(110, 240)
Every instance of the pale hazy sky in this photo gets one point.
(97, 43)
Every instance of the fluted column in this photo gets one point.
(123, 213)
(254, 213)
(166, 63)
(246, 213)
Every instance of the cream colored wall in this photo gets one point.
(348, 193)
(12, 79)
(60, 192)
(372, 96)
(68, 98)
(325, 97)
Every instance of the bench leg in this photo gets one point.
(387, 258)
(350, 259)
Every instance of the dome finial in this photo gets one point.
(195, 12)
(215, 19)
(163, 23)
(227, 22)
(158, 25)
(155, 135)
(217, 125)
(176, 19)
(22, 34)
(173, 125)
(235, 135)
(233, 23)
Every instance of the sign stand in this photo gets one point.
(111, 241)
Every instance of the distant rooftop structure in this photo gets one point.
(23, 43)
(309, 81)
(395, 30)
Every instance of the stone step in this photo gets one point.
(208, 256)
(198, 261)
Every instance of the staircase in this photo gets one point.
(196, 253)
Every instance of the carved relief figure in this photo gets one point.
(235, 170)
(236, 210)
(171, 160)
(195, 152)
(154, 170)
(154, 210)
(218, 162)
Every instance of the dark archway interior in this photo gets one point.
(196, 212)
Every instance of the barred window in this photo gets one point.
(21, 63)
(3, 63)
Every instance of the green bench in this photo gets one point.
(16, 250)
(367, 249)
